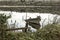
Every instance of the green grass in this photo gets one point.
(40, 3)
(49, 32)
(53, 10)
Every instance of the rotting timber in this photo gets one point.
(35, 23)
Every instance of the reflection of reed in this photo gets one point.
(55, 20)
(43, 22)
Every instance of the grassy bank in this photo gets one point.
(49, 32)
(40, 3)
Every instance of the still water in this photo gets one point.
(20, 18)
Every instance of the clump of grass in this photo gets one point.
(49, 32)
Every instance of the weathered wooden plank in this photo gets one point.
(14, 29)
